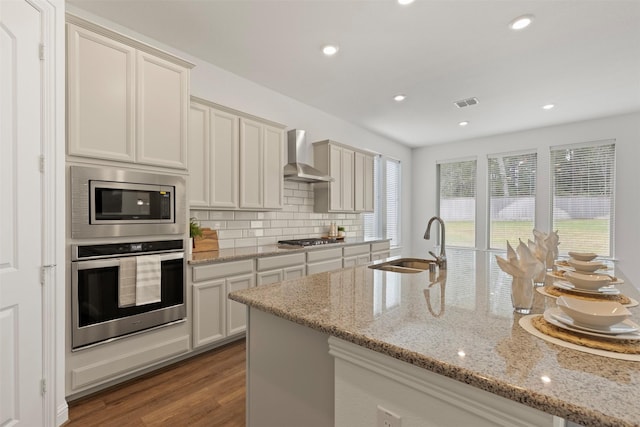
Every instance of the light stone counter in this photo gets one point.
(465, 330)
(235, 254)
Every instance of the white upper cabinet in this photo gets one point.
(127, 101)
(224, 159)
(363, 182)
(101, 98)
(162, 108)
(352, 171)
(199, 149)
(251, 165)
(273, 161)
(261, 165)
(235, 162)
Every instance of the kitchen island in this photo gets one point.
(331, 348)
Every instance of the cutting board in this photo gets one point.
(207, 242)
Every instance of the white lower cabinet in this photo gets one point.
(380, 250)
(210, 324)
(278, 268)
(215, 317)
(319, 261)
(365, 381)
(355, 255)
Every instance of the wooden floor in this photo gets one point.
(206, 390)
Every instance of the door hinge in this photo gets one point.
(41, 163)
(41, 51)
(42, 271)
(43, 386)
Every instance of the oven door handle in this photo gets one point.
(115, 262)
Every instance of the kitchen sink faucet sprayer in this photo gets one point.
(442, 259)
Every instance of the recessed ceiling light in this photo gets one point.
(548, 106)
(330, 50)
(521, 22)
(399, 98)
(463, 124)
(405, 2)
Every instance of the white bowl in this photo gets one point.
(583, 256)
(593, 313)
(586, 266)
(587, 281)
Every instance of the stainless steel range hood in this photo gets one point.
(296, 170)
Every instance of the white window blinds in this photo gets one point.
(457, 201)
(384, 222)
(582, 202)
(512, 197)
(372, 222)
(393, 201)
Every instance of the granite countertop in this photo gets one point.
(237, 254)
(462, 327)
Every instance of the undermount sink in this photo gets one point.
(405, 265)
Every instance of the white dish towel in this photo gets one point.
(148, 275)
(127, 282)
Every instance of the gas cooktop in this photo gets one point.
(307, 242)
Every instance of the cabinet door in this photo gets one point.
(236, 312)
(351, 261)
(251, 168)
(208, 312)
(363, 182)
(294, 272)
(335, 170)
(273, 155)
(224, 159)
(268, 277)
(100, 101)
(199, 136)
(161, 111)
(347, 180)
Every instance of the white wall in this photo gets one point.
(624, 129)
(222, 87)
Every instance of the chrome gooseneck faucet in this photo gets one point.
(442, 259)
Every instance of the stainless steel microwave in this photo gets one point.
(108, 202)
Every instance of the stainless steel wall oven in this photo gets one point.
(98, 271)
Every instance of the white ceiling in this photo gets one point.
(582, 55)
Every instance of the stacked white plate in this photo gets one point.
(604, 319)
(582, 276)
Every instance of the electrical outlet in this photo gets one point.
(388, 419)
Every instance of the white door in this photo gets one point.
(21, 362)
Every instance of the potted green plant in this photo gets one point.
(340, 232)
(194, 231)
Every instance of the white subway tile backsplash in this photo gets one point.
(246, 215)
(253, 233)
(238, 224)
(230, 234)
(214, 215)
(295, 221)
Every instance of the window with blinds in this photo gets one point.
(392, 201)
(372, 222)
(457, 201)
(384, 222)
(512, 197)
(582, 202)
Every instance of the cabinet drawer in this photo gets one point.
(380, 246)
(280, 261)
(321, 267)
(356, 250)
(325, 254)
(225, 269)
